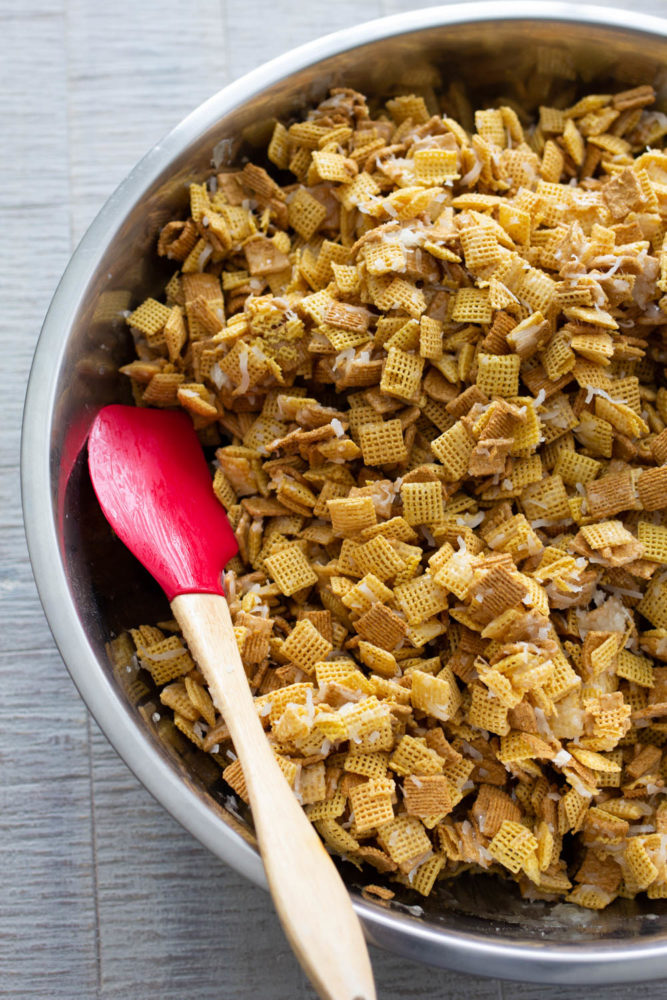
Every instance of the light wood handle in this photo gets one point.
(311, 900)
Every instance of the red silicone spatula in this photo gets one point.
(154, 486)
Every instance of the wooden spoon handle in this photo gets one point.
(311, 900)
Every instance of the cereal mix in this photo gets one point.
(423, 347)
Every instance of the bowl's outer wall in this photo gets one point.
(87, 586)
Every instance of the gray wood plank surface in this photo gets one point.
(102, 894)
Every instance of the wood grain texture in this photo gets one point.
(328, 942)
(103, 895)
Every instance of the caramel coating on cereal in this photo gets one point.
(425, 349)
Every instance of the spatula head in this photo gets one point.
(154, 486)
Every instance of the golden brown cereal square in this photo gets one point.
(611, 494)
(350, 515)
(379, 557)
(498, 375)
(496, 590)
(487, 712)
(166, 659)
(652, 488)
(405, 840)
(290, 570)
(371, 803)
(422, 503)
(435, 166)
(363, 594)
(379, 660)
(305, 646)
(547, 499)
(233, 775)
(413, 756)
(472, 306)
(382, 443)
(453, 449)
(402, 373)
(435, 696)
(513, 845)
(492, 808)
(654, 539)
(427, 795)
(420, 598)
(150, 317)
(381, 626)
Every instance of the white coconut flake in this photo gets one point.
(219, 378)
(204, 256)
(168, 654)
(222, 153)
(310, 708)
(592, 390)
(543, 726)
(342, 357)
(410, 238)
(428, 535)
(473, 520)
(623, 591)
(468, 179)
(472, 751)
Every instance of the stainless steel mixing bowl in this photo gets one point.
(90, 588)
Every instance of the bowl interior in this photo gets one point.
(522, 61)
